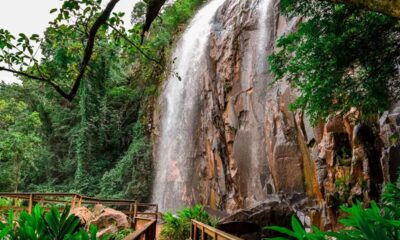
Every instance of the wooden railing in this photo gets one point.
(201, 231)
(131, 208)
(135, 211)
(147, 232)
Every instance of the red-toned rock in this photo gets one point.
(110, 217)
(83, 213)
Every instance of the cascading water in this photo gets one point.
(180, 109)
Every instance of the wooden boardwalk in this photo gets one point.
(145, 213)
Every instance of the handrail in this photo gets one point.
(148, 232)
(77, 200)
(26, 196)
(200, 231)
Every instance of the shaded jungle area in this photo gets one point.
(98, 141)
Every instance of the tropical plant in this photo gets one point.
(177, 227)
(120, 235)
(45, 226)
(360, 223)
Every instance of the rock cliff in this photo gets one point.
(251, 148)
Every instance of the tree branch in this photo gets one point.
(42, 79)
(90, 45)
(102, 19)
(153, 9)
(135, 45)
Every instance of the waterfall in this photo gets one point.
(265, 10)
(180, 111)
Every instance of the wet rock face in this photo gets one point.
(233, 106)
(251, 147)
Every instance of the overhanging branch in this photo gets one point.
(90, 45)
(102, 19)
(42, 79)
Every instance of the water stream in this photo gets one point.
(181, 109)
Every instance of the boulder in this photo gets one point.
(84, 214)
(249, 223)
(110, 217)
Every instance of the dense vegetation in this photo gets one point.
(98, 143)
(178, 227)
(370, 223)
(339, 57)
(45, 226)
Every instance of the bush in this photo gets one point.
(369, 223)
(121, 234)
(177, 227)
(45, 226)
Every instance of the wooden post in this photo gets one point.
(202, 233)
(131, 216)
(135, 210)
(30, 204)
(157, 212)
(80, 201)
(191, 231)
(194, 231)
(131, 211)
(73, 202)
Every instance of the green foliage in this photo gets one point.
(339, 57)
(19, 142)
(298, 232)
(132, 175)
(369, 223)
(45, 226)
(98, 144)
(121, 234)
(5, 202)
(177, 227)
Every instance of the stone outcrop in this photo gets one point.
(84, 214)
(249, 223)
(107, 220)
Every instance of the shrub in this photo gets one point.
(121, 234)
(177, 227)
(45, 226)
(369, 223)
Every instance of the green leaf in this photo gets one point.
(282, 230)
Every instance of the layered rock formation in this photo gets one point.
(107, 220)
(251, 148)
